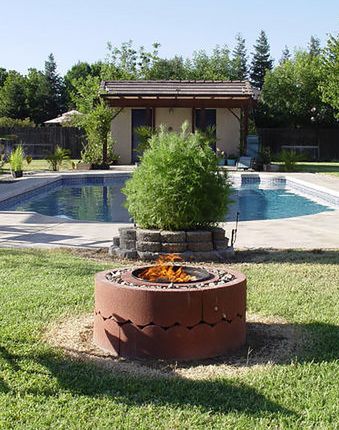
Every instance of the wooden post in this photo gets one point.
(245, 128)
(193, 120)
(203, 118)
(153, 118)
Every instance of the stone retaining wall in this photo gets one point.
(198, 245)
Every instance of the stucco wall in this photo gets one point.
(122, 134)
(228, 131)
(173, 117)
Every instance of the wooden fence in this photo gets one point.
(322, 143)
(41, 141)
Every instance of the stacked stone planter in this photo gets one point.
(203, 245)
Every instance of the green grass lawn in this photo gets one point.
(39, 165)
(327, 168)
(40, 388)
(320, 167)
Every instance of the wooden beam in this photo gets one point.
(188, 103)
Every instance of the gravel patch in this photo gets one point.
(270, 341)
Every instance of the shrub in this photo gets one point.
(16, 159)
(97, 126)
(13, 122)
(178, 184)
(290, 159)
(144, 134)
(57, 158)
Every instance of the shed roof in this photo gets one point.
(177, 88)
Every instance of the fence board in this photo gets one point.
(326, 139)
(41, 141)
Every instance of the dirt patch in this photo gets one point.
(270, 341)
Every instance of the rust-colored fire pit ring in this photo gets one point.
(188, 323)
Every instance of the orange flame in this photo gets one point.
(164, 271)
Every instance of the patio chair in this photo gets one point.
(245, 163)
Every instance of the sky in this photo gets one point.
(78, 30)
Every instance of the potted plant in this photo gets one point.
(265, 158)
(221, 156)
(231, 160)
(16, 161)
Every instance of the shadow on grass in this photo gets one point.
(80, 378)
(218, 396)
(294, 256)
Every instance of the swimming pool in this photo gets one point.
(101, 199)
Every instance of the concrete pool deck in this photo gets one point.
(29, 229)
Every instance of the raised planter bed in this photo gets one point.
(196, 245)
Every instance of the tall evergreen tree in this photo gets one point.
(37, 93)
(314, 48)
(329, 85)
(56, 99)
(285, 55)
(261, 61)
(3, 76)
(239, 61)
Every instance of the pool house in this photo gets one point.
(223, 104)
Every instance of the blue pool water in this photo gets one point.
(101, 199)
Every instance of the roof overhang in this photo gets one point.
(190, 94)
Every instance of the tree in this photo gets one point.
(217, 66)
(13, 96)
(261, 61)
(86, 93)
(329, 85)
(314, 48)
(37, 92)
(80, 70)
(291, 93)
(285, 55)
(126, 62)
(3, 76)
(172, 68)
(56, 98)
(239, 61)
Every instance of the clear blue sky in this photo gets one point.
(79, 29)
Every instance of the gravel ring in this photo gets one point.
(115, 276)
(270, 341)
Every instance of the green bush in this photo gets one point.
(58, 157)
(144, 134)
(290, 159)
(16, 159)
(178, 184)
(13, 122)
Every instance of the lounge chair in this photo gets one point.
(245, 163)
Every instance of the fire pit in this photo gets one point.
(170, 311)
